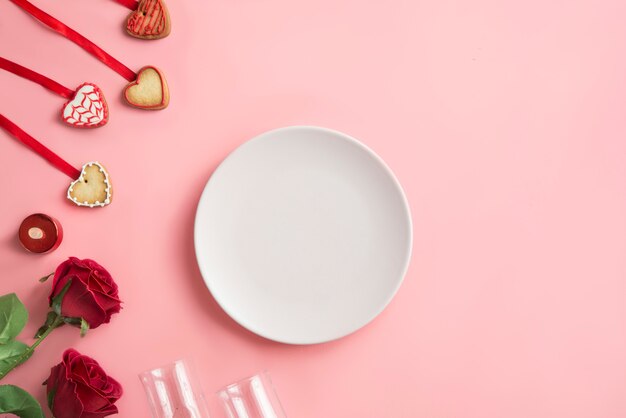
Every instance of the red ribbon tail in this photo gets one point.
(131, 4)
(36, 77)
(39, 148)
(77, 38)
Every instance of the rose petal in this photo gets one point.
(113, 389)
(76, 267)
(84, 370)
(87, 390)
(108, 304)
(65, 403)
(101, 273)
(56, 373)
(84, 264)
(93, 294)
(96, 286)
(105, 286)
(110, 410)
(70, 355)
(79, 302)
(92, 399)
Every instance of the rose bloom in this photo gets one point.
(79, 388)
(92, 295)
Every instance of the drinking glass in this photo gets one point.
(173, 392)
(253, 397)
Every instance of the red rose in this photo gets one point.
(92, 295)
(79, 388)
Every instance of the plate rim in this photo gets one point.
(379, 161)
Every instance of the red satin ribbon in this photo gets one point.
(42, 80)
(39, 148)
(77, 38)
(131, 4)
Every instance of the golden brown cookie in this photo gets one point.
(149, 91)
(93, 187)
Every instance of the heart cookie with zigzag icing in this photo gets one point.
(87, 109)
(150, 20)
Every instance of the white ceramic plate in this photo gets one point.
(303, 235)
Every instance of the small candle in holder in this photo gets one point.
(40, 233)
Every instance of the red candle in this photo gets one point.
(40, 233)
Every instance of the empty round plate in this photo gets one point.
(303, 235)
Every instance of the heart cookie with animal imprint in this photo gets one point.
(92, 188)
(149, 21)
(87, 109)
(149, 91)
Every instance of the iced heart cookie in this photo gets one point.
(149, 91)
(149, 21)
(92, 188)
(87, 109)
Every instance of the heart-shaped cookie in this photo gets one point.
(92, 188)
(149, 91)
(150, 21)
(87, 109)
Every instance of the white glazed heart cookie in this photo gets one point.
(87, 109)
(92, 188)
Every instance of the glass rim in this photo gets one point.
(263, 373)
(184, 361)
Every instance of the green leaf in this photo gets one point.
(51, 395)
(13, 317)
(77, 322)
(17, 401)
(46, 277)
(56, 301)
(72, 321)
(12, 355)
(49, 320)
(84, 327)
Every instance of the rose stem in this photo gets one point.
(57, 321)
(29, 351)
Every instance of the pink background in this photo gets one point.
(503, 120)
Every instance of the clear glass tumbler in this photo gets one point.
(173, 392)
(253, 397)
